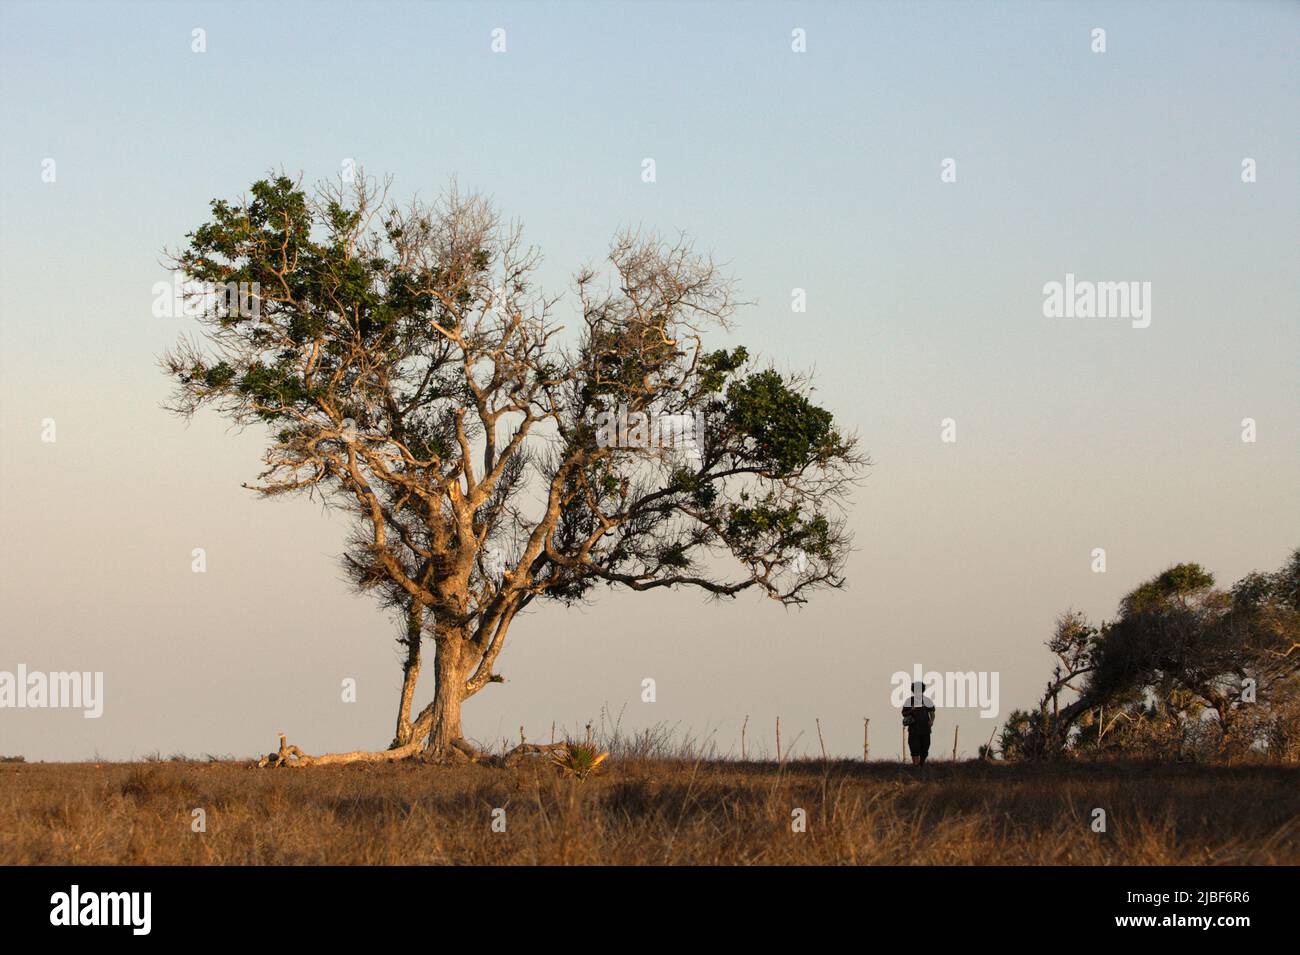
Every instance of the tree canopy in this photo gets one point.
(1184, 667)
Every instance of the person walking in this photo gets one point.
(918, 717)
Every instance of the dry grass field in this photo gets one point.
(650, 811)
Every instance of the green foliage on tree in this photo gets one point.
(1185, 670)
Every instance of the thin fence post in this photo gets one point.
(818, 721)
(954, 742)
(902, 758)
(866, 737)
(778, 739)
(743, 726)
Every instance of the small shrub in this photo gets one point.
(578, 759)
(149, 782)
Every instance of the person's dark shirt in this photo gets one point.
(918, 715)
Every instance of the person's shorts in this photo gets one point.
(918, 740)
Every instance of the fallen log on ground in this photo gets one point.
(293, 757)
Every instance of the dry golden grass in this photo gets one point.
(650, 811)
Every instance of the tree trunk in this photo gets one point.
(1226, 720)
(410, 673)
(454, 658)
(450, 672)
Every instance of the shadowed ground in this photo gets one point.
(650, 811)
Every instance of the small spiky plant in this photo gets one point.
(578, 759)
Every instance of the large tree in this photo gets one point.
(411, 372)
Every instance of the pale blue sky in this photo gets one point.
(817, 170)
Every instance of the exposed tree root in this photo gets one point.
(461, 751)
